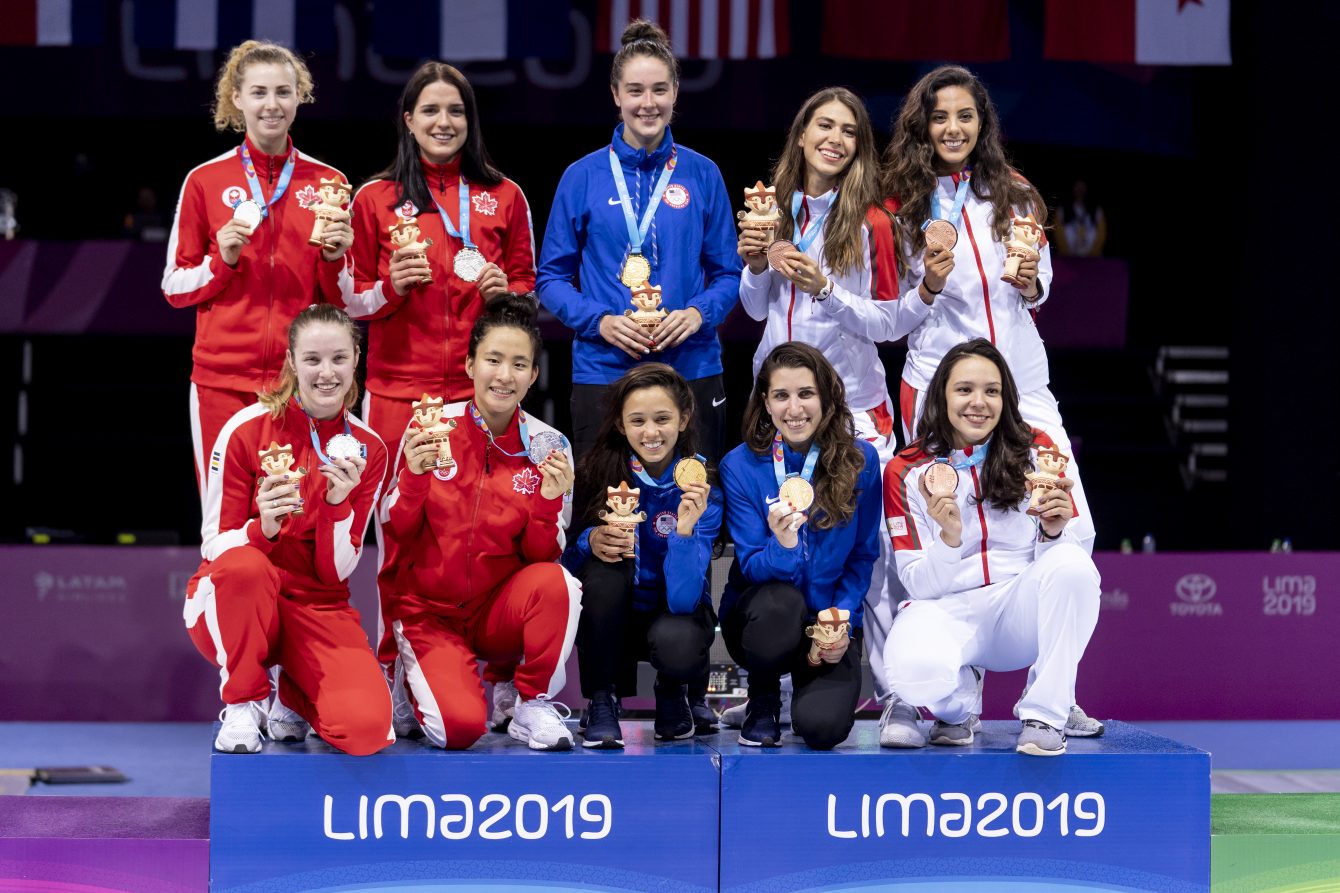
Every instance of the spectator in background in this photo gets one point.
(146, 223)
(1081, 227)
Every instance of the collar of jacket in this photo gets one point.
(268, 166)
(439, 175)
(641, 158)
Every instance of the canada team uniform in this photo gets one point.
(1006, 598)
(243, 312)
(478, 579)
(256, 602)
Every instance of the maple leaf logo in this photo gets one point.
(307, 196)
(525, 481)
(485, 204)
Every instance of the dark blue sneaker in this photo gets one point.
(704, 717)
(600, 723)
(762, 720)
(674, 718)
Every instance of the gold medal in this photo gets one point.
(636, 271)
(797, 491)
(941, 479)
(689, 471)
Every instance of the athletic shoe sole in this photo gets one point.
(766, 742)
(942, 741)
(1033, 750)
(607, 743)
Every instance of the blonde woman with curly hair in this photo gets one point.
(239, 252)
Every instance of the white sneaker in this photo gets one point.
(403, 721)
(285, 723)
(1077, 725)
(538, 724)
(504, 704)
(898, 725)
(242, 723)
(733, 718)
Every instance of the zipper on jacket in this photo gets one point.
(474, 518)
(981, 517)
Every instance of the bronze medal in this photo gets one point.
(941, 479)
(636, 271)
(776, 250)
(797, 491)
(689, 471)
(940, 234)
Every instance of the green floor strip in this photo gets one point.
(1275, 843)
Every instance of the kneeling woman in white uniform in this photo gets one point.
(989, 585)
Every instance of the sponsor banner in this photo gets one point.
(496, 817)
(1129, 811)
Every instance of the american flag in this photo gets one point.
(703, 29)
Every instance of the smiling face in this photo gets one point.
(438, 122)
(973, 400)
(828, 143)
(645, 96)
(324, 358)
(503, 369)
(652, 423)
(794, 405)
(268, 100)
(954, 126)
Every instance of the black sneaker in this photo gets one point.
(674, 718)
(704, 717)
(600, 723)
(762, 720)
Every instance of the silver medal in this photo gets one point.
(469, 263)
(543, 443)
(248, 212)
(345, 446)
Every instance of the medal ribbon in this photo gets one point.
(311, 429)
(255, 184)
(482, 425)
(813, 228)
(960, 196)
(641, 474)
(464, 232)
(976, 460)
(779, 461)
(637, 231)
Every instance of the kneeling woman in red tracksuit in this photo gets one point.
(478, 543)
(289, 497)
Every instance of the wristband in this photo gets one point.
(1044, 535)
(928, 288)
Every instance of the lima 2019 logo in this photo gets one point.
(1195, 593)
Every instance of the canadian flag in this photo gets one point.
(1146, 32)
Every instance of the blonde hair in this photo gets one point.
(227, 116)
(277, 398)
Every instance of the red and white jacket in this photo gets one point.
(975, 303)
(243, 312)
(461, 533)
(996, 544)
(417, 342)
(316, 551)
(863, 309)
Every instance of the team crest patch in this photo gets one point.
(676, 196)
(232, 195)
(526, 481)
(447, 474)
(307, 197)
(664, 523)
(897, 526)
(408, 209)
(484, 204)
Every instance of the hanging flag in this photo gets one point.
(1144, 32)
(949, 30)
(472, 30)
(703, 29)
(301, 25)
(54, 23)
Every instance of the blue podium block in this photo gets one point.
(304, 817)
(1128, 811)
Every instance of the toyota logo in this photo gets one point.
(1196, 588)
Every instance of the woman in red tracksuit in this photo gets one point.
(247, 282)
(418, 330)
(478, 543)
(289, 495)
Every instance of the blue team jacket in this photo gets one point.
(690, 246)
(661, 547)
(832, 567)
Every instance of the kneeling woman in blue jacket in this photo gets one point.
(645, 592)
(803, 507)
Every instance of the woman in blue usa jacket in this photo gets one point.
(643, 226)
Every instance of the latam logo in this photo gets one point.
(80, 588)
(1196, 593)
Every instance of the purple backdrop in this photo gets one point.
(95, 633)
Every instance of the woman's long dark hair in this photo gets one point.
(909, 161)
(405, 170)
(1010, 458)
(840, 459)
(607, 462)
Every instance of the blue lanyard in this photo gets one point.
(464, 233)
(641, 474)
(960, 196)
(482, 425)
(779, 461)
(976, 460)
(311, 429)
(815, 226)
(284, 176)
(637, 232)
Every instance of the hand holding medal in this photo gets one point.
(785, 521)
(940, 502)
(691, 477)
(546, 452)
